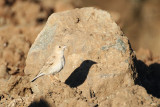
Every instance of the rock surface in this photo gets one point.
(98, 57)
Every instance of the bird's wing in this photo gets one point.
(49, 62)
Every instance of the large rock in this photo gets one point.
(99, 58)
(135, 96)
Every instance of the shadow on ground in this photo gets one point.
(41, 103)
(149, 77)
(79, 75)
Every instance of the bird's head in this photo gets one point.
(60, 48)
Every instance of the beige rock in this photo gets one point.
(134, 96)
(98, 57)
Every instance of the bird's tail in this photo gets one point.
(41, 74)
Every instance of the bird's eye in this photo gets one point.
(59, 46)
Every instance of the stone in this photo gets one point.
(99, 58)
(133, 96)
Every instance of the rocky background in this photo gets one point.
(115, 74)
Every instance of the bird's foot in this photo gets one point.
(57, 78)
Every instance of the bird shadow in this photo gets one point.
(149, 77)
(79, 75)
(41, 103)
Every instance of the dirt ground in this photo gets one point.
(22, 20)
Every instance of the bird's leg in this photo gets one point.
(51, 77)
(56, 78)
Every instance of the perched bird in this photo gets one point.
(54, 64)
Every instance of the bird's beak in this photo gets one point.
(64, 47)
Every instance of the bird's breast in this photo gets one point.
(57, 67)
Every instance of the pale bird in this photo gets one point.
(54, 63)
